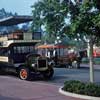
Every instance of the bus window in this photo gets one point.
(26, 49)
(31, 48)
(4, 52)
(18, 50)
(23, 49)
(15, 49)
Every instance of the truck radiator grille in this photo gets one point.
(42, 63)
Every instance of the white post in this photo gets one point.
(90, 47)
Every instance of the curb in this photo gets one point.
(77, 95)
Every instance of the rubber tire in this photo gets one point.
(48, 74)
(27, 71)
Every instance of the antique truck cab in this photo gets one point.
(36, 64)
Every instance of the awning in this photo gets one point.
(45, 46)
(61, 46)
(49, 46)
(14, 20)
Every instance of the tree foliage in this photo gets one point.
(52, 15)
(87, 19)
(84, 20)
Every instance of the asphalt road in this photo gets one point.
(12, 88)
(82, 74)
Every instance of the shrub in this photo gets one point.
(82, 88)
(95, 60)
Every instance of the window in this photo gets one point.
(23, 49)
(4, 52)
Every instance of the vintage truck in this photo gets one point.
(36, 64)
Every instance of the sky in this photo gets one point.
(22, 7)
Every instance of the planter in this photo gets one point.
(77, 95)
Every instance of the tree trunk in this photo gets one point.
(90, 45)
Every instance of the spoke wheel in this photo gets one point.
(24, 73)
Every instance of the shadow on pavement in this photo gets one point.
(33, 77)
(8, 74)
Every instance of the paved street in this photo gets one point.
(82, 74)
(12, 88)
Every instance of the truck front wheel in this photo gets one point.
(24, 73)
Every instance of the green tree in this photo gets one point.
(87, 22)
(50, 13)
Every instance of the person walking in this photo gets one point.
(55, 55)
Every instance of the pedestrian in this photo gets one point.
(55, 55)
(48, 53)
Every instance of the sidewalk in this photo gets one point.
(42, 91)
(87, 66)
(15, 89)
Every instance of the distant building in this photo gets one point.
(19, 34)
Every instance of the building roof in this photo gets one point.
(14, 20)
